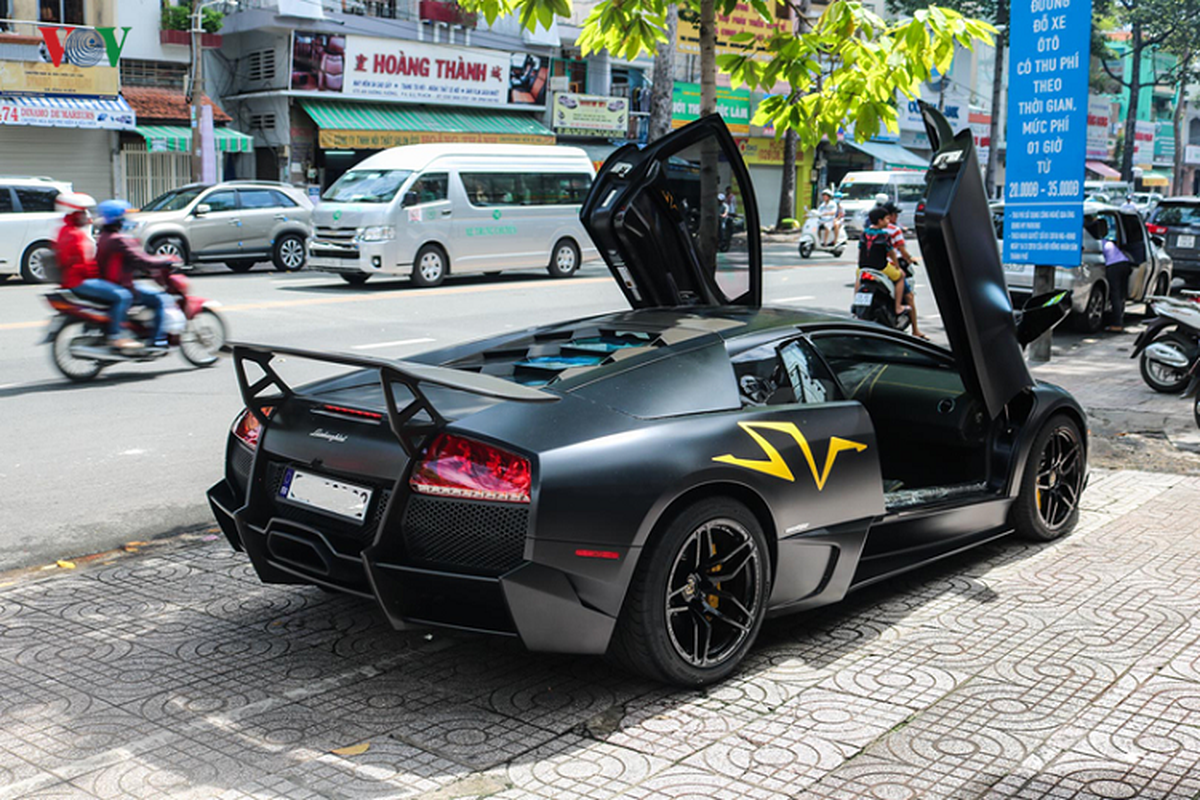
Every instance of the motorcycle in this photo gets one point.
(1170, 345)
(80, 349)
(875, 300)
(814, 231)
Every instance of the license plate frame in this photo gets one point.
(1186, 241)
(862, 299)
(328, 495)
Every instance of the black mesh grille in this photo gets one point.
(350, 535)
(240, 460)
(484, 537)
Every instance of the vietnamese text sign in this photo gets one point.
(1143, 142)
(88, 118)
(1047, 131)
(417, 72)
(744, 19)
(732, 104)
(590, 114)
(1098, 122)
(36, 78)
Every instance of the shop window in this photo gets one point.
(35, 199)
(64, 12)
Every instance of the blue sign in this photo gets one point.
(1047, 131)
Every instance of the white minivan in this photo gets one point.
(429, 210)
(905, 188)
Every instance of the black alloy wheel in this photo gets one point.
(698, 597)
(289, 254)
(1048, 505)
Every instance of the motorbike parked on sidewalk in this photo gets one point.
(815, 233)
(80, 349)
(1170, 345)
(875, 300)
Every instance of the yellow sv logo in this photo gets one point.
(774, 463)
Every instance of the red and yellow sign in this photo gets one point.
(34, 78)
(379, 140)
(744, 19)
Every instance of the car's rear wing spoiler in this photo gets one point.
(412, 376)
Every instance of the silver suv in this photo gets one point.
(238, 222)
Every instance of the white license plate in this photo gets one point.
(1019, 269)
(862, 299)
(1185, 241)
(335, 497)
(333, 263)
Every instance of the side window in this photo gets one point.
(255, 198)
(772, 375)
(910, 192)
(493, 189)
(6, 201)
(34, 199)
(858, 361)
(282, 200)
(566, 188)
(221, 201)
(432, 187)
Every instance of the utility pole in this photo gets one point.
(196, 93)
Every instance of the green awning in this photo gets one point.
(178, 139)
(378, 125)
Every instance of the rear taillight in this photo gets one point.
(453, 466)
(1157, 230)
(247, 428)
(357, 413)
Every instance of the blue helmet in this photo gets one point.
(111, 211)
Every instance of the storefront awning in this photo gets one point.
(1152, 178)
(893, 155)
(374, 126)
(178, 139)
(68, 112)
(1102, 169)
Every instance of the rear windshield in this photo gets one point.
(863, 191)
(174, 201)
(367, 186)
(1177, 214)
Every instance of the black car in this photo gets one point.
(1177, 221)
(650, 484)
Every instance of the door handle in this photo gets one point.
(281, 217)
(447, 212)
(236, 222)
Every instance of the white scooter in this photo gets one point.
(818, 235)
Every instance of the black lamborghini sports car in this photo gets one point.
(650, 484)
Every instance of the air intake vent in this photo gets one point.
(262, 122)
(260, 66)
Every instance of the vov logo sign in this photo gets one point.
(83, 47)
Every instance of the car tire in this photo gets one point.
(1093, 314)
(34, 262)
(1164, 379)
(669, 597)
(430, 266)
(169, 246)
(1047, 506)
(806, 249)
(354, 278)
(289, 255)
(241, 266)
(564, 259)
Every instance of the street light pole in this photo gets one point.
(196, 93)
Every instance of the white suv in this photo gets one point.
(28, 224)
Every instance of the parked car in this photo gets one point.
(859, 192)
(429, 210)
(651, 483)
(1176, 220)
(28, 224)
(1088, 282)
(1146, 202)
(239, 223)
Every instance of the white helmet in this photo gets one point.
(881, 198)
(71, 202)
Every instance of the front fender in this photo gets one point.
(1153, 328)
(56, 324)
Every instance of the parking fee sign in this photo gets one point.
(1047, 131)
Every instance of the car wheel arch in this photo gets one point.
(440, 245)
(154, 241)
(738, 492)
(1042, 410)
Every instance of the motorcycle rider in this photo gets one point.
(76, 255)
(832, 215)
(120, 257)
(903, 260)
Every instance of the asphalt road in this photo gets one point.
(85, 469)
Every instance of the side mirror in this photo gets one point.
(410, 199)
(202, 209)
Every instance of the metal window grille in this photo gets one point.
(146, 175)
(262, 122)
(261, 65)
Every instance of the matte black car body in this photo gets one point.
(850, 480)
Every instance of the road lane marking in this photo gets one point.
(793, 299)
(16, 326)
(396, 343)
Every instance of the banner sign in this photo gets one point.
(762, 151)
(417, 72)
(744, 19)
(981, 131)
(1047, 131)
(732, 104)
(379, 140)
(31, 78)
(88, 118)
(1099, 121)
(590, 114)
(1191, 154)
(1164, 144)
(1143, 142)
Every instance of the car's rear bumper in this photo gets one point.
(508, 595)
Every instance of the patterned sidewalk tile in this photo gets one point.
(573, 766)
